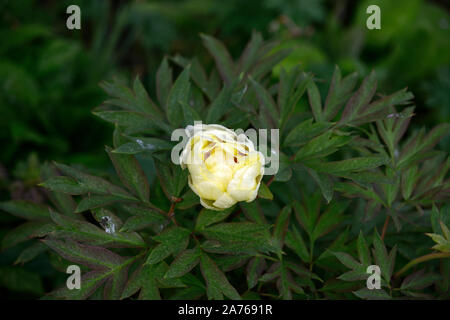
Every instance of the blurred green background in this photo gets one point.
(49, 75)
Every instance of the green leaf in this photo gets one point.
(251, 52)
(363, 250)
(329, 219)
(321, 146)
(184, 263)
(254, 271)
(340, 90)
(94, 184)
(131, 174)
(360, 99)
(22, 233)
(132, 121)
(237, 231)
(353, 164)
(163, 82)
(217, 284)
(144, 100)
(221, 103)
(147, 279)
(86, 232)
(324, 182)
(288, 108)
(315, 101)
(419, 280)
(294, 241)
(347, 260)
(281, 225)
(379, 109)
(135, 223)
(171, 241)
(63, 202)
(418, 146)
(376, 294)
(31, 252)
(265, 100)
(381, 257)
(221, 56)
(143, 144)
(173, 179)
(264, 191)
(178, 94)
(26, 210)
(94, 201)
(266, 64)
(306, 131)
(90, 256)
(253, 212)
(65, 185)
(208, 217)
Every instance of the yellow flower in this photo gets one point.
(224, 167)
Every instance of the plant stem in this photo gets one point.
(171, 214)
(386, 223)
(422, 259)
(270, 181)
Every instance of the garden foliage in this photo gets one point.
(355, 188)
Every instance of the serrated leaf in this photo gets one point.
(251, 52)
(131, 174)
(381, 257)
(294, 240)
(324, 182)
(353, 164)
(265, 100)
(171, 241)
(26, 209)
(306, 131)
(321, 146)
(315, 101)
(237, 231)
(94, 184)
(339, 91)
(376, 294)
(183, 263)
(254, 270)
(163, 82)
(86, 232)
(217, 284)
(347, 260)
(360, 99)
(143, 144)
(419, 280)
(329, 219)
(208, 217)
(179, 93)
(221, 104)
(363, 250)
(94, 201)
(221, 56)
(281, 225)
(300, 86)
(21, 233)
(31, 252)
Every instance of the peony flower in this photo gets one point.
(224, 167)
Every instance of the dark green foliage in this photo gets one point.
(345, 173)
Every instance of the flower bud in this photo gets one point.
(224, 167)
